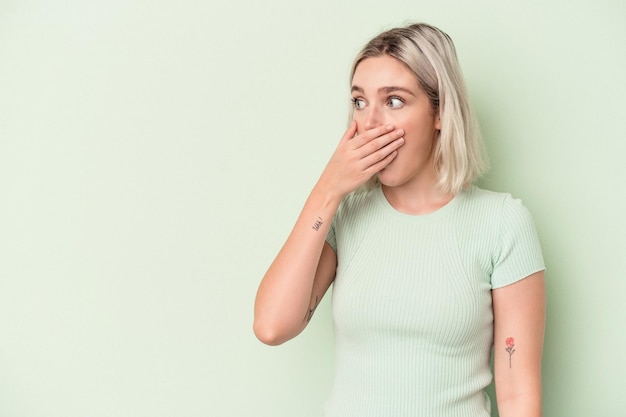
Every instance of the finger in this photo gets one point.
(350, 133)
(381, 154)
(378, 166)
(379, 143)
(371, 134)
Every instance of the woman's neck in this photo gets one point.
(416, 200)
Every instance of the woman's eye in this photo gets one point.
(358, 103)
(396, 102)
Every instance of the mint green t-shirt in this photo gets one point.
(412, 301)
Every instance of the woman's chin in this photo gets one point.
(387, 178)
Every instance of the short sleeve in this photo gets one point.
(518, 252)
(330, 237)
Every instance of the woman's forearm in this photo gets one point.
(286, 292)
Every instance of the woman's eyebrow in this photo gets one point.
(384, 90)
(391, 89)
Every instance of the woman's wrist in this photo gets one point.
(326, 195)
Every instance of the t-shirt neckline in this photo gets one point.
(423, 218)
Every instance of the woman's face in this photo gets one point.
(385, 91)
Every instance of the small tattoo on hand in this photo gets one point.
(510, 345)
(317, 224)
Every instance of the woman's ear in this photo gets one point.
(437, 121)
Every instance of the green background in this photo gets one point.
(155, 154)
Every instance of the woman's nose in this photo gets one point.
(373, 118)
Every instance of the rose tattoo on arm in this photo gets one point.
(510, 348)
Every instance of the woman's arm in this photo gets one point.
(305, 266)
(299, 276)
(519, 321)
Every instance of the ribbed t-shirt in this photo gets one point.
(411, 301)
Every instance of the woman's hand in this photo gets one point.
(359, 157)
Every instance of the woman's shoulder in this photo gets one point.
(481, 203)
(498, 206)
(359, 198)
(481, 197)
(357, 206)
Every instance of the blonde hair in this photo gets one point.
(429, 53)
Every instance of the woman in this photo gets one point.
(430, 272)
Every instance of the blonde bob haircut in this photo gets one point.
(429, 54)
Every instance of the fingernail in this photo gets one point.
(389, 127)
(400, 132)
